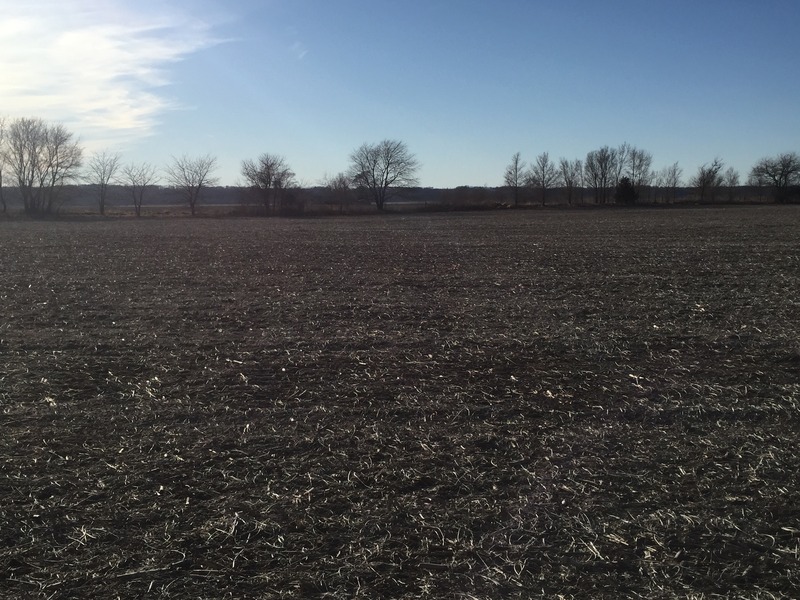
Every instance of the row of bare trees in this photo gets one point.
(105, 169)
(189, 175)
(377, 171)
(41, 158)
(601, 172)
(624, 173)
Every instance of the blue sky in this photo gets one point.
(465, 83)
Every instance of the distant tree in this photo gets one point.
(639, 168)
(137, 178)
(757, 180)
(514, 177)
(780, 172)
(730, 179)
(626, 192)
(543, 175)
(338, 187)
(571, 176)
(600, 168)
(42, 157)
(269, 175)
(592, 174)
(285, 187)
(102, 167)
(190, 176)
(379, 169)
(621, 162)
(671, 180)
(708, 180)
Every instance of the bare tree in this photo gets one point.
(514, 177)
(543, 175)
(592, 173)
(730, 179)
(639, 167)
(190, 176)
(758, 181)
(708, 180)
(269, 175)
(284, 181)
(379, 169)
(621, 162)
(102, 167)
(671, 179)
(600, 169)
(42, 158)
(571, 173)
(338, 188)
(137, 178)
(781, 172)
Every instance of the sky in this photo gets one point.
(464, 83)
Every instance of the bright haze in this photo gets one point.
(464, 83)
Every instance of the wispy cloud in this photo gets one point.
(299, 50)
(100, 67)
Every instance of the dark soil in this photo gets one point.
(598, 404)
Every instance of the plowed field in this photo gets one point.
(592, 404)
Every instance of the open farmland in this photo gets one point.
(597, 404)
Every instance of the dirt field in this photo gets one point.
(591, 404)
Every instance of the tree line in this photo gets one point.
(41, 158)
(625, 175)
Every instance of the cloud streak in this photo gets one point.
(100, 67)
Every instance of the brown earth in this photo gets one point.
(592, 404)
